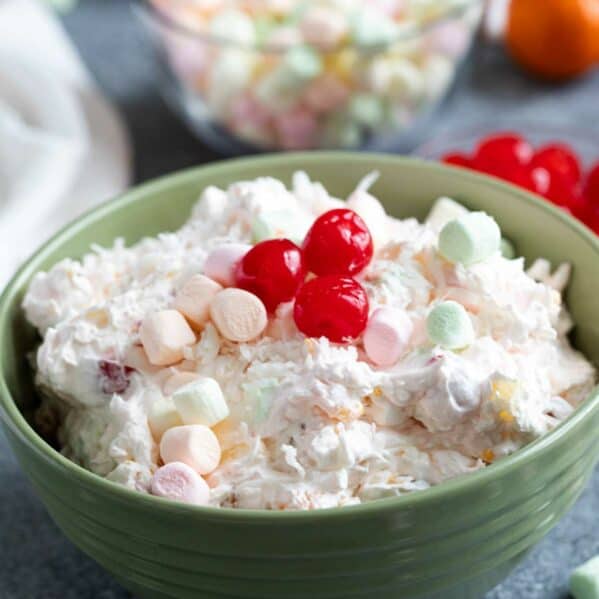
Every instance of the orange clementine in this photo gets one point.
(555, 39)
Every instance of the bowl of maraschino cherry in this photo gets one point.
(551, 168)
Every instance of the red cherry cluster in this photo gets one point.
(332, 304)
(552, 171)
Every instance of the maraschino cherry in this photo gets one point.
(273, 270)
(338, 243)
(457, 159)
(590, 188)
(331, 306)
(560, 160)
(502, 154)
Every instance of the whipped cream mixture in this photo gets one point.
(312, 424)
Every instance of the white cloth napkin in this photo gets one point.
(63, 148)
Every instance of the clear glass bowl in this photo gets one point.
(241, 97)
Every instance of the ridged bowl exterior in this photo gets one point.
(456, 540)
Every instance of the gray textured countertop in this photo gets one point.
(37, 561)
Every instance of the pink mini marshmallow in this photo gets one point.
(326, 93)
(179, 482)
(322, 27)
(450, 39)
(246, 109)
(284, 38)
(221, 262)
(188, 57)
(387, 335)
(193, 444)
(297, 129)
(392, 8)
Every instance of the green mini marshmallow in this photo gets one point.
(201, 402)
(507, 249)
(471, 238)
(303, 63)
(366, 110)
(342, 131)
(449, 326)
(373, 30)
(584, 581)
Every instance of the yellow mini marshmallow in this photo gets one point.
(238, 315)
(162, 416)
(201, 402)
(164, 334)
(194, 298)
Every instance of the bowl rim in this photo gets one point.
(148, 7)
(12, 417)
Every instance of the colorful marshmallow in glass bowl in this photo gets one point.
(296, 75)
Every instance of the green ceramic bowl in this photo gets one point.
(456, 540)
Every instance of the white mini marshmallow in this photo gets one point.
(238, 315)
(373, 30)
(201, 402)
(179, 379)
(437, 73)
(221, 262)
(194, 298)
(372, 213)
(231, 72)
(162, 416)
(179, 482)
(164, 334)
(398, 79)
(443, 211)
(233, 25)
(387, 335)
(193, 444)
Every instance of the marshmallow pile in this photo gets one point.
(181, 422)
(288, 350)
(297, 74)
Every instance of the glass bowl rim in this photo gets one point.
(413, 32)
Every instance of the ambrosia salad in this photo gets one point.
(288, 350)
